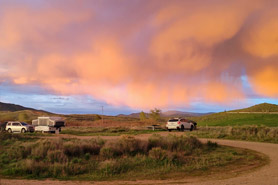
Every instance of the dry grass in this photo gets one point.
(249, 133)
(127, 157)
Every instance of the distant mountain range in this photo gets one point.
(264, 107)
(170, 113)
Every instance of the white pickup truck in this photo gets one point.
(180, 124)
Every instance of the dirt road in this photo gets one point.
(267, 175)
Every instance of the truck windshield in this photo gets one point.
(173, 120)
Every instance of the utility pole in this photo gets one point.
(102, 114)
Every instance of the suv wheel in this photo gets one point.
(23, 130)
(182, 128)
(10, 130)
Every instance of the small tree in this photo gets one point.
(155, 114)
(142, 116)
(98, 117)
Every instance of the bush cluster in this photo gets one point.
(64, 158)
(250, 133)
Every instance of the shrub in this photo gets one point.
(108, 153)
(74, 149)
(126, 145)
(157, 153)
(87, 156)
(175, 143)
(211, 145)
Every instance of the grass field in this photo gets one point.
(247, 132)
(125, 158)
(237, 119)
(104, 131)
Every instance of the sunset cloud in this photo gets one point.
(142, 55)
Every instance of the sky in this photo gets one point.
(75, 56)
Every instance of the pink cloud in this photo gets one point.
(143, 55)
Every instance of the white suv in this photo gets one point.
(16, 126)
(180, 124)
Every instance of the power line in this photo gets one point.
(102, 114)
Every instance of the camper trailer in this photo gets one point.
(48, 124)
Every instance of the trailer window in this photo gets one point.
(43, 122)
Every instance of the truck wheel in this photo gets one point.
(191, 128)
(23, 130)
(182, 128)
(10, 130)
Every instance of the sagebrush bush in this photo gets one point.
(157, 153)
(100, 159)
(175, 143)
(126, 145)
(211, 145)
(77, 148)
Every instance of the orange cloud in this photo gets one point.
(262, 37)
(168, 54)
(265, 81)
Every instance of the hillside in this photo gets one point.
(13, 112)
(242, 117)
(12, 107)
(263, 107)
(23, 115)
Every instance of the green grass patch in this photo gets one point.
(237, 119)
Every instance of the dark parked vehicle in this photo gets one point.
(3, 126)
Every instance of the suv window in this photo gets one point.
(9, 124)
(16, 124)
(173, 120)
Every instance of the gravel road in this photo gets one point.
(267, 175)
